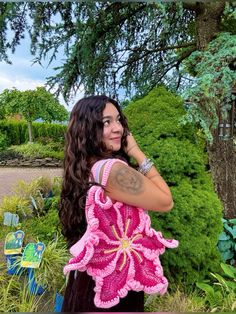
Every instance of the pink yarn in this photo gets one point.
(119, 250)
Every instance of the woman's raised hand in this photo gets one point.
(132, 145)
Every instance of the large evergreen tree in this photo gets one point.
(135, 46)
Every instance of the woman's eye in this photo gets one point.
(119, 120)
(106, 122)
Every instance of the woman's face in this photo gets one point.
(112, 127)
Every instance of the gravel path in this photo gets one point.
(10, 176)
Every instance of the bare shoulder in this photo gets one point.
(126, 179)
(127, 185)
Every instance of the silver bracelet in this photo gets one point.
(145, 166)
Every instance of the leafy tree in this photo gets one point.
(110, 46)
(32, 105)
(2, 113)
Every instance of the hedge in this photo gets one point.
(17, 131)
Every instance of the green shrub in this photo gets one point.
(42, 184)
(15, 205)
(220, 295)
(33, 199)
(9, 154)
(56, 186)
(175, 302)
(178, 159)
(49, 130)
(193, 221)
(50, 273)
(227, 241)
(51, 144)
(17, 131)
(38, 150)
(15, 295)
(42, 228)
(3, 141)
(179, 153)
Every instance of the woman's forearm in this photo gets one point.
(153, 173)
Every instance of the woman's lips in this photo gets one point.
(116, 139)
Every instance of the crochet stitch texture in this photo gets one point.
(119, 249)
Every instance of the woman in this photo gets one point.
(98, 131)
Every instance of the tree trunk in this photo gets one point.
(30, 131)
(222, 160)
(208, 17)
(222, 154)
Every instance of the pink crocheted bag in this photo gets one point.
(119, 249)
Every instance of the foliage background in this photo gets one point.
(17, 133)
(179, 153)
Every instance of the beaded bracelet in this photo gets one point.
(145, 166)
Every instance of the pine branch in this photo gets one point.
(184, 45)
(119, 19)
(148, 52)
(185, 54)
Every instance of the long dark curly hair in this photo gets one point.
(84, 146)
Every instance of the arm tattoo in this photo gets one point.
(128, 181)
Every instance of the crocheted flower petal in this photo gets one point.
(131, 220)
(151, 245)
(170, 243)
(104, 259)
(148, 275)
(107, 219)
(79, 262)
(110, 289)
(78, 247)
(104, 201)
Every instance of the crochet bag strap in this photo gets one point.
(106, 171)
(96, 168)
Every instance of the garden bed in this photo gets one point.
(22, 161)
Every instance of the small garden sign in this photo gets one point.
(14, 242)
(32, 255)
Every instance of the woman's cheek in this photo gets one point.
(105, 133)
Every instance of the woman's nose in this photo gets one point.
(117, 127)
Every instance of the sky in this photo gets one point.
(23, 74)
